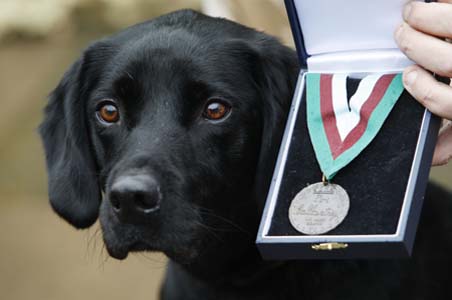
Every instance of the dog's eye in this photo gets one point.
(216, 110)
(108, 112)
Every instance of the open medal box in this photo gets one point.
(386, 181)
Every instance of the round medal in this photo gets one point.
(319, 208)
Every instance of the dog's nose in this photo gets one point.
(134, 196)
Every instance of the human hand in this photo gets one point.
(421, 37)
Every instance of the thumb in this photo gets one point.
(443, 150)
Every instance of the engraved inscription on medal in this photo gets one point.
(319, 208)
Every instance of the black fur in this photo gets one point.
(213, 175)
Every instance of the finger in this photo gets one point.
(428, 51)
(445, 1)
(431, 18)
(434, 95)
(443, 150)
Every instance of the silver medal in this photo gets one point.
(319, 208)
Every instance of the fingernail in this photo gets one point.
(407, 11)
(410, 78)
(398, 31)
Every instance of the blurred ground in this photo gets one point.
(41, 257)
(44, 258)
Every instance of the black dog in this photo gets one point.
(177, 122)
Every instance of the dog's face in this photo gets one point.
(170, 122)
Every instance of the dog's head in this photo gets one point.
(168, 131)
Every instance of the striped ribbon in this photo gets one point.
(340, 128)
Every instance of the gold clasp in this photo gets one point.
(329, 246)
(324, 180)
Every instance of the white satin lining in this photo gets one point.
(348, 25)
(351, 36)
(363, 61)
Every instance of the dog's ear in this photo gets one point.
(274, 69)
(72, 180)
(278, 74)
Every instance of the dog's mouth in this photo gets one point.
(122, 251)
(179, 252)
(179, 241)
(121, 238)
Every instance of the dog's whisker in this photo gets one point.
(93, 238)
(105, 256)
(90, 237)
(209, 230)
(99, 239)
(198, 210)
(210, 213)
(156, 263)
(229, 222)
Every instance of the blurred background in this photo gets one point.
(41, 257)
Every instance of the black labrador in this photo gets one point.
(175, 123)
